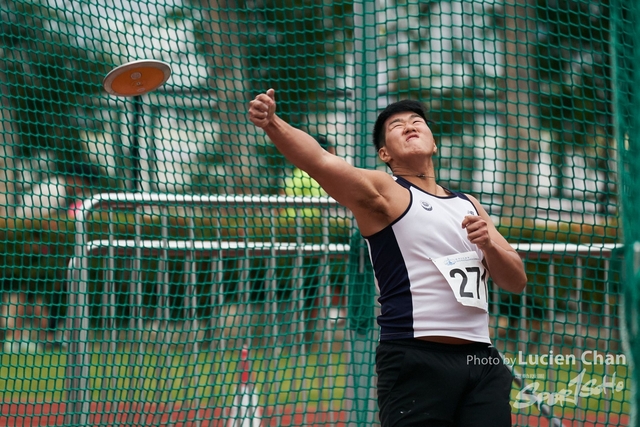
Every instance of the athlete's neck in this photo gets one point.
(425, 183)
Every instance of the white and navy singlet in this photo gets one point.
(415, 297)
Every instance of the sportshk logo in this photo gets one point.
(426, 205)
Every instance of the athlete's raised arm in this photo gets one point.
(364, 192)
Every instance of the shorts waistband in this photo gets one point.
(436, 346)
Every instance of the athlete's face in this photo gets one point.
(406, 134)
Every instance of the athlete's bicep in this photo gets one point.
(350, 186)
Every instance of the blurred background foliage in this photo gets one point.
(50, 77)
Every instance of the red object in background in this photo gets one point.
(74, 208)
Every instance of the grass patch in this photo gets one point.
(178, 375)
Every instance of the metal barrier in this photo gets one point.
(79, 394)
(553, 254)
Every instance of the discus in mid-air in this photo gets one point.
(136, 78)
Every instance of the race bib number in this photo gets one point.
(467, 278)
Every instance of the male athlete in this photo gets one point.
(432, 250)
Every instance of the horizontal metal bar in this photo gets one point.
(146, 199)
(219, 245)
(565, 249)
(204, 248)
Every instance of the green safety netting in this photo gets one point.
(163, 264)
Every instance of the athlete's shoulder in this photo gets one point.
(465, 196)
(475, 202)
(384, 183)
(469, 197)
(384, 203)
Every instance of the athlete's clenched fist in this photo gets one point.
(263, 108)
(477, 231)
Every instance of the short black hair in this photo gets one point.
(404, 106)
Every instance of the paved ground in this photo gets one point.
(105, 414)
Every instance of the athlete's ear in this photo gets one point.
(383, 154)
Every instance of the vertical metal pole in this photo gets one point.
(366, 105)
(551, 317)
(523, 326)
(299, 348)
(608, 369)
(579, 338)
(365, 81)
(136, 347)
(192, 301)
(625, 46)
(114, 333)
(328, 333)
(135, 143)
(79, 357)
(162, 320)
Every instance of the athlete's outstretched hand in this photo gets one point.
(477, 231)
(263, 108)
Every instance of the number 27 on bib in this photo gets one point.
(467, 278)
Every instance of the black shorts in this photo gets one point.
(425, 384)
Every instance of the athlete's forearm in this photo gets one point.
(506, 268)
(298, 147)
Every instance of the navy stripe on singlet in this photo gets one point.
(396, 318)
